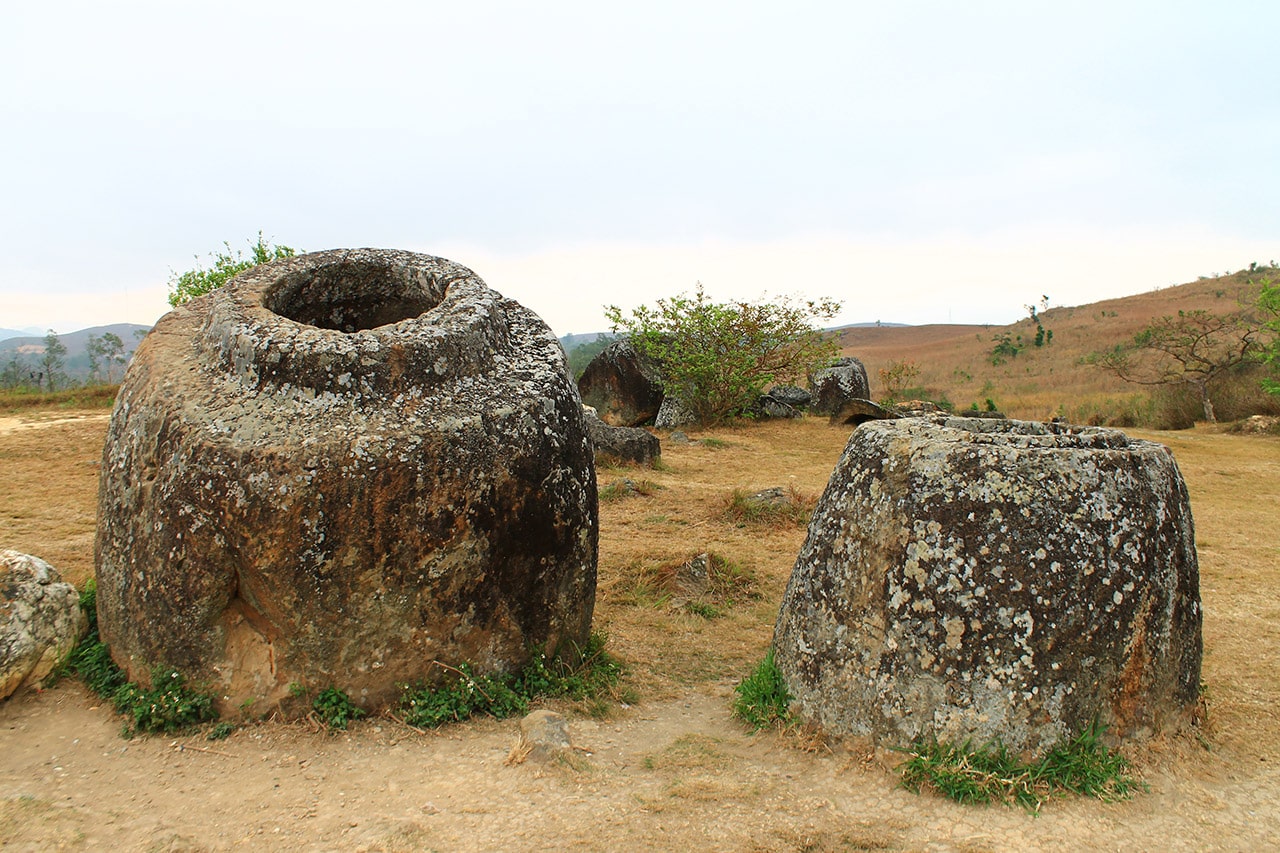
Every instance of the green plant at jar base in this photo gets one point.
(763, 699)
(584, 675)
(334, 708)
(167, 706)
(991, 774)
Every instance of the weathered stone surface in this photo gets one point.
(771, 407)
(338, 469)
(797, 398)
(543, 735)
(615, 445)
(40, 620)
(622, 385)
(673, 413)
(856, 412)
(986, 580)
(838, 384)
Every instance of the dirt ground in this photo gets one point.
(669, 769)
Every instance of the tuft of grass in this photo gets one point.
(706, 585)
(715, 443)
(334, 708)
(167, 706)
(628, 488)
(990, 774)
(221, 731)
(787, 507)
(763, 699)
(587, 674)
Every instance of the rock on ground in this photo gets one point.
(622, 385)
(337, 470)
(626, 445)
(979, 580)
(40, 620)
(836, 385)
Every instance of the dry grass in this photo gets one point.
(49, 488)
(1040, 383)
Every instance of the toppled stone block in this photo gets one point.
(40, 620)
(981, 580)
(337, 470)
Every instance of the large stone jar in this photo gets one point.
(981, 581)
(345, 468)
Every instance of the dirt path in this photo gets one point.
(673, 772)
(674, 775)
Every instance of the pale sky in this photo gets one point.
(925, 162)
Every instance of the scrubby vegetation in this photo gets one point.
(168, 705)
(991, 774)
(588, 674)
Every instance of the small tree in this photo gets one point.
(112, 349)
(896, 378)
(52, 359)
(1191, 349)
(717, 358)
(93, 348)
(226, 265)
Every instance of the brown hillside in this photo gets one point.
(956, 361)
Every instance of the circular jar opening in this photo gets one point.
(351, 297)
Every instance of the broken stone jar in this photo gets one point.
(353, 468)
(995, 581)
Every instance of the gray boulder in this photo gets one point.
(337, 470)
(40, 621)
(673, 413)
(836, 385)
(626, 445)
(769, 407)
(622, 385)
(793, 396)
(983, 580)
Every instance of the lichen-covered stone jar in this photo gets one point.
(345, 469)
(995, 581)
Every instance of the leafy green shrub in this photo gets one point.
(763, 699)
(991, 775)
(226, 266)
(335, 709)
(583, 675)
(168, 706)
(717, 358)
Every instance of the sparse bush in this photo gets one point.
(226, 266)
(628, 488)
(706, 585)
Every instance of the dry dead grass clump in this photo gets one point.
(775, 507)
(706, 585)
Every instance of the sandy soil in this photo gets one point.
(673, 771)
